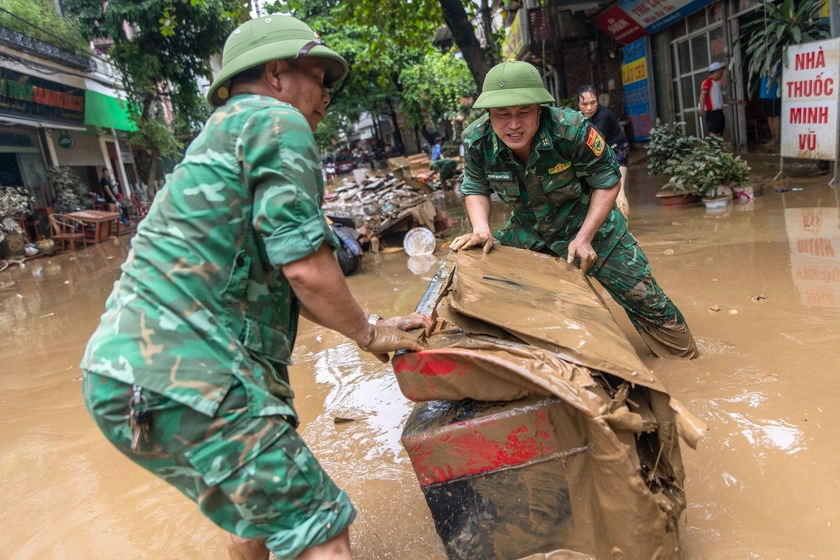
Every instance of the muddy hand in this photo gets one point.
(409, 322)
(389, 339)
(582, 251)
(485, 240)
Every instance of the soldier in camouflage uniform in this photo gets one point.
(561, 181)
(187, 373)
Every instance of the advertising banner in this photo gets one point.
(810, 100)
(35, 98)
(516, 40)
(627, 20)
(637, 89)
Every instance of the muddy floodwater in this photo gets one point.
(759, 284)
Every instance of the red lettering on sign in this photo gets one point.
(808, 141)
(817, 87)
(809, 115)
(809, 60)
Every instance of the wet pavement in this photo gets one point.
(759, 284)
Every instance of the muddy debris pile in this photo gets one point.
(382, 209)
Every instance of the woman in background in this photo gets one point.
(614, 136)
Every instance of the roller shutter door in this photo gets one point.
(86, 151)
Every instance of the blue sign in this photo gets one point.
(637, 84)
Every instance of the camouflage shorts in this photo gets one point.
(252, 476)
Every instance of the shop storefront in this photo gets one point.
(684, 38)
(46, 123)
(31, 110)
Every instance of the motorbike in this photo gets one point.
(349, 254)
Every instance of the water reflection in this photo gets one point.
(814, 237)
(365, 392)
(422, 264)
(761, 433)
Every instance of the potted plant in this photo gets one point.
(71, 194)
(13, 200)
(695, 167)
(667, 148)
(780, 24)
(710, 170)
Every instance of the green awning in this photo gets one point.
(107, 112)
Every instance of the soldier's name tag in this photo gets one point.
(559, 168)
(499, 176)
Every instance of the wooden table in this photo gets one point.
(101, 222)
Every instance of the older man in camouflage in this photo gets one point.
(554, 170)
(187, 373)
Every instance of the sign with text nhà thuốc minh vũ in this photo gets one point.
(810, 100)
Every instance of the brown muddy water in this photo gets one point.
(758, 283)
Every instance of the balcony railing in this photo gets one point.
(20, 41)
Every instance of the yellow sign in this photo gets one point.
(515, 39)
(635, 71)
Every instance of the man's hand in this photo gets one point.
(384, 339)
(409, 322)
(582, 250)
(474, 239)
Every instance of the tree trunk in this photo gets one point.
(464, 36)
(398, 141)
(151, 151)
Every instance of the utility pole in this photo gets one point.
(834, 17)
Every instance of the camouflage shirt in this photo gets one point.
(550, 196)
(201, 299)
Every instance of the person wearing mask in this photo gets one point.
(188, 373)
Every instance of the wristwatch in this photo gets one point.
(373, 318)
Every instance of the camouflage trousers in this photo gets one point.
(252, 476)
(625, 274)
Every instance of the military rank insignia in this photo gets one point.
(559, 168)
(595, 142)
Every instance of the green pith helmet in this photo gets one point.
(274, 37)
(512, 83)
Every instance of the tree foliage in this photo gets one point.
(39, 19)
(434, 89)
(780, 24)
(389, 47)
(161, 48)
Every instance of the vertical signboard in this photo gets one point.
(637, 85)
(810, 100)
(516, 38)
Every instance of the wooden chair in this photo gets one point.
(67, 230)
(95, 204)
